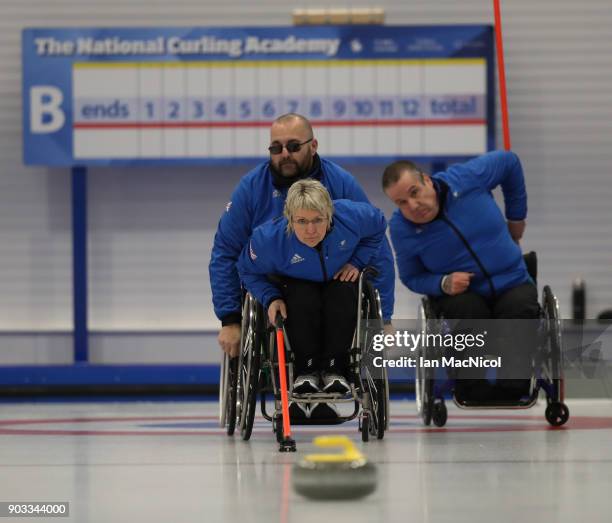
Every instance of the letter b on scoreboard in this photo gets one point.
(46, 114)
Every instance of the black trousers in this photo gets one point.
(514, 340)
(321, 320)
(520, 302)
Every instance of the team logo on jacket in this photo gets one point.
(356, 46)
(228, 206)
(252, 252)
(342, 244)
(296, 259)
(276, 193)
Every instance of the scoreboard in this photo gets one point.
(208, 95)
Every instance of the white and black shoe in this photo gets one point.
(333, 382)
(306, 384)
(324, 411)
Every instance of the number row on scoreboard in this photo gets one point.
(253, 109)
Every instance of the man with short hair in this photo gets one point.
(452, 242)
(259, 197)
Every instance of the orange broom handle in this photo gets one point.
(501, 69)
(280, 343)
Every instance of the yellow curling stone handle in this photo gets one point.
(349, 451)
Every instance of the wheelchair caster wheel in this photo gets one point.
(439, 414)
(365, 428)
(557, 413)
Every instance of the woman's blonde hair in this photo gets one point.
(310, 195)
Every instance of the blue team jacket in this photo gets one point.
(470, 220)
(355, 237)
(255, 201)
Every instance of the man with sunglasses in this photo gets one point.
(259, 197)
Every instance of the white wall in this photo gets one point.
(150, 230)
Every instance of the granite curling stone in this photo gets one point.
(345, 475)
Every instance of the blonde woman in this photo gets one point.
(315, 251)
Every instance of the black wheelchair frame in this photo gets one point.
(256, 371)
(547, 365)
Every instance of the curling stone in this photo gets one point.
(345, 475)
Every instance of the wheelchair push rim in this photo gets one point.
(227, 394)
(424, 384)
(375, 416)
(249, 367)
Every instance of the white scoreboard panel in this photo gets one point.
(116, 109)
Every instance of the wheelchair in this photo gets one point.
(546, 366)
(256, 372)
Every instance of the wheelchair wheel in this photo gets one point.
(365, 428)
(377, 388)
(378, 393)
(379, 407)
(424, 383)
(227, 394)
(370, 319)
(373, 305)
(439, 413)
(223, 389)
(246, 306)
(554, 354)
(557, 412)
(249, 363)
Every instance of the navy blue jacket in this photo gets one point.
(355, 237)
(255, 201)
(470, 219)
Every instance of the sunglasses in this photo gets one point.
(292, 146)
